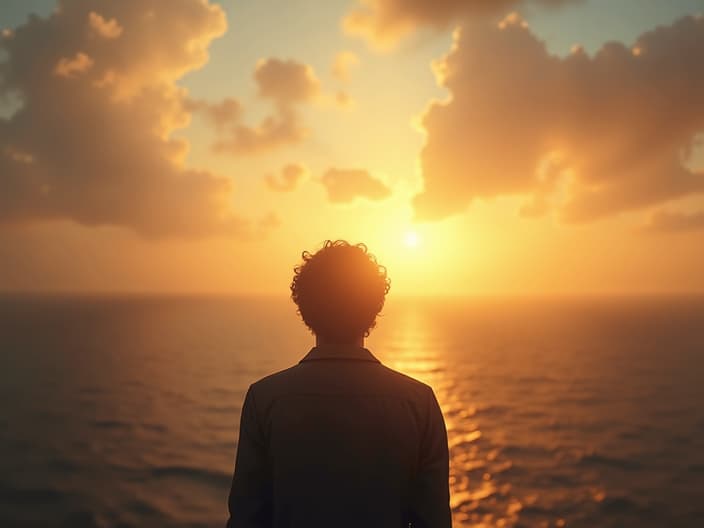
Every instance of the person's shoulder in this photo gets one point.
(275, 382)
(409, 383)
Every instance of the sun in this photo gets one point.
(411, 239)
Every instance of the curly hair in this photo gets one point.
(339, 291)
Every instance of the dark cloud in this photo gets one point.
(287, 84)
(589, 136)
(289, 179)
(344, 185)
(676, 222)
(92, 140)
(383, 22)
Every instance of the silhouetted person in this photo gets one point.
(339, 440)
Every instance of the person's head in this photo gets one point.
(339, 291)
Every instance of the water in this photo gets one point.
(123, 412)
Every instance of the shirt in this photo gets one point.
(340, 440)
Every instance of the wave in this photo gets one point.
(217, 479)
(595, 459)
(154, 427)
(612, 505)
(86, 519)
(15, 496)
(111, 424)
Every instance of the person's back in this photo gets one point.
(339, 439)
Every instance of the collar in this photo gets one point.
(348, 352)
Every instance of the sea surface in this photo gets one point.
(121, 412)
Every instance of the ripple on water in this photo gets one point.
(612, 505)
(154, 427)
(597, 459)
(85, 519)
(217, 479)
(33, 497)
(462, 439)
(545, 429)
(112, 425)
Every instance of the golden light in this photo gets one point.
(411, 239)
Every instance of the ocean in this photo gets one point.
(122, 412)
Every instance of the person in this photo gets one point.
(339, 440)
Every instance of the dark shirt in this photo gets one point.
(340, 440)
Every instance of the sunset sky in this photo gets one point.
(476, 146)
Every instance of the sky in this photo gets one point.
(504, 147)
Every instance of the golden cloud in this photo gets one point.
(108, 29)
(343, 64)
(344, 185)
(676, 222)
(281, 128)
(289, 179)
(287, 84)
(588, 136)
(92, 141)
(71, 67)
(383, 22)
(286, 81)
(221, 114)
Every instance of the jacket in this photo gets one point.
(340, 440)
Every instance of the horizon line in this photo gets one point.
(205, 294)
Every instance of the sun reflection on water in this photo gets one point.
(415, 348)
(481, 494)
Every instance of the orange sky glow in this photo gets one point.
(477, 148)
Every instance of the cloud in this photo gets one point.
(286, 81)
(343, 99)
(343, 64)
(383, 22)
(344, 185)
(675, 222)
(282, 128)
(108, 29)
(290, 178)
(92, 140)
(287, 84)
(221, 114)
(588, 136)
(71, 67)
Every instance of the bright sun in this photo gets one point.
(411, 239)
